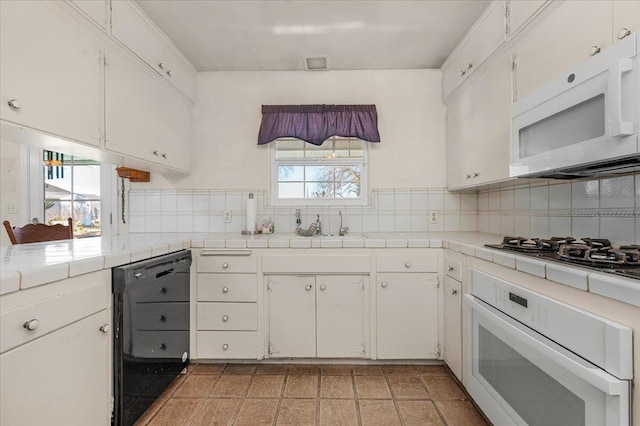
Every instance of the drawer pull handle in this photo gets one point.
(225, 318)
(225, 347)
(323, 287)
(161, 65)
(623, 33)
(225, 289)
(307, 287)
(31, 324)
(384, 284)
(162, 346)
(407, 264)
(163, 290)
(14, 104)
(105, 328)
(162, 318)
(169, 73)
(450, 268)
(454, 292)
(594, 50)
(225, 265)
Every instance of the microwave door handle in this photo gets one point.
(592, 375)
(618, 127)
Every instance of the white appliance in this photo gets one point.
(585, 123)
(532, 360)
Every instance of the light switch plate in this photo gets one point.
(227, 216)
(433, 216)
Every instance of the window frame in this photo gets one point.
(364, 180)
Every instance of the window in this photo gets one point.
(332, 173)
(72, 189)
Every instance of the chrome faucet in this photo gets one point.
(343, 229)
(318, 226)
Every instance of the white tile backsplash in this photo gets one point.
(560, 196)
(617, 192)
(585, 195)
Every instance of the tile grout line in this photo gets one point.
(393, 397)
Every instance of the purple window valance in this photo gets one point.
(316, 123)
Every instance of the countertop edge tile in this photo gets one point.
(44, 275)
(85, 266)
(9, 282)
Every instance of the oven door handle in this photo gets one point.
(591, 374)
(614, 89)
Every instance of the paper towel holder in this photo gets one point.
(255, 230)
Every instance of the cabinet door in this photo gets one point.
(145, 118)
(52, 70)
(97, 10)
(44, 380)
(561, 41)
(407, 316)
(453, 326)
(292, 316)
(626, 16)
(458, 139)
(340, 316)
(520, 11)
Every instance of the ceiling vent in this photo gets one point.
(316, 63)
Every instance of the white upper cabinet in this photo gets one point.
(519, 12)
(572, 32)
(626, 18)
(145, 118)
(132, 28)
(98, 11)
(483, 39)
(51, 71)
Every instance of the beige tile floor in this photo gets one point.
(275, 394)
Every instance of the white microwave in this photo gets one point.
(585, 123)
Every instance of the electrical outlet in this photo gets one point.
(433, 216)
(227, 216)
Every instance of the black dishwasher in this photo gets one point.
(151, 331)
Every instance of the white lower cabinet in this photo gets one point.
(453, 326)
(407, 315)
(316, 316)
(56, 360)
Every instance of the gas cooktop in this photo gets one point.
(593, 253)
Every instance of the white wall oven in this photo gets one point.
(585, 123)
(532, 360)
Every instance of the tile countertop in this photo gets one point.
(28, 265)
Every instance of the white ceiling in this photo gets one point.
(240, 35)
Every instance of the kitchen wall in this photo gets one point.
(226, 120)
(10, 186)
(390, 210)
(606, 208)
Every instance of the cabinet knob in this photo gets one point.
(31, 324)
(164, 155)
(225, 318)
(384, 284)
(163, 290)
(450, 268)
(462, 73)
(225, 289)
(308, 287)
(225, 265)
(323, 287)
(225, 347)
(407, 264)
(14, 104)
(469, 65)
(161, 65)
(594, 50)
(623, 33)
(169, 73)
(155, 152)
(454, 292)
(476, 174)
(162, 346)
(105, 328)
(468, 176)
(162, 318)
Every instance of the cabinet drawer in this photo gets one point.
(227, 344)
(407, 263)
(164, 290)
(227, 288)
(453, 268)
(50, 315)
(227, 316)
(218, 261)
(161, 316)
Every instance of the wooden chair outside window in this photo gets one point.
(35, 233)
